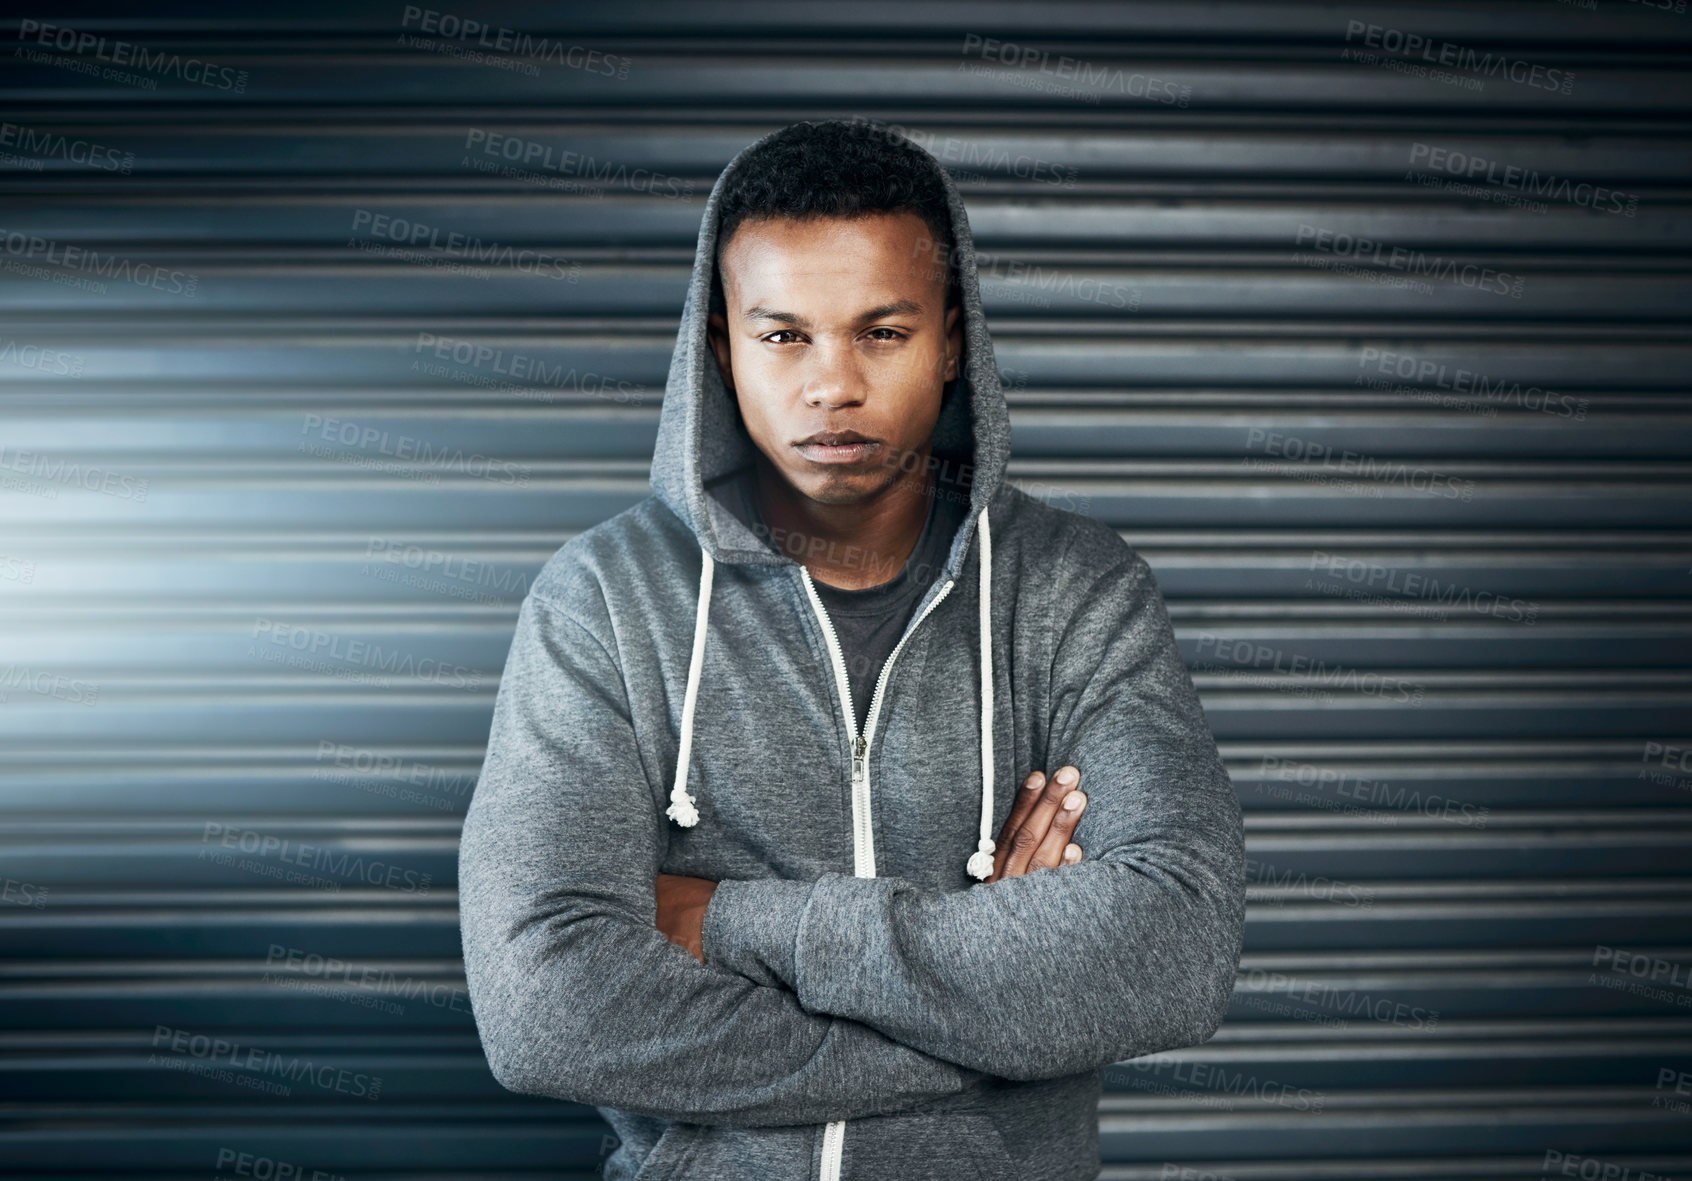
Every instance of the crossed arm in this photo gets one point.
(578, 994)
(1036, 835)
(1128, 951)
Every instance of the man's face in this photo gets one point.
(838, 326)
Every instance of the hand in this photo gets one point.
(681, 910)
(1036, 833)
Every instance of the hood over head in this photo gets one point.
(700, 439)
(699, 434)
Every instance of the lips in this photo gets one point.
(835, 438)
(837, 447)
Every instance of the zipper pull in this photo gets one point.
(859, 769)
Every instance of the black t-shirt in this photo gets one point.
(869, 622)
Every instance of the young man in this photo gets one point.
(730, 873)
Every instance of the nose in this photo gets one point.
(834, 379)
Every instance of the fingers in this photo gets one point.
(1030, 836)
(1020, 807)
(1049, 855)
(1022, 840)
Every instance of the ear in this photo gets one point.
(716, 334)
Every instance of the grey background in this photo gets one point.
(1446, 658)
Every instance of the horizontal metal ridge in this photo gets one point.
(1476, 1105)
(1473, 899)
(1224, 544)
(143, 407)
(1435, 959)
(1522, 1166)
(1217, 543)
(1259, 970)
(1220, 24)
(1595, 819)
(419, 830)
(1594, 824)
(1208, 220)
(736, 76)
(202, 471)
(543, 333)
(1496, 686)
(99, 607)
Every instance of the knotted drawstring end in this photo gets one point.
(981, 861)
(681, 809)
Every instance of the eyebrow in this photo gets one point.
(899, 307)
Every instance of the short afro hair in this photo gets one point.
(836, 168)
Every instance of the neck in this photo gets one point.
(848, 546)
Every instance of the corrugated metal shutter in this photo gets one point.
(276, 473)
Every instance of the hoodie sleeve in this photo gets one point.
(1131, 951)
(576, 993)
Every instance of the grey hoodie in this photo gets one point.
(675, 701)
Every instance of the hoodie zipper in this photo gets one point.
(863, 842)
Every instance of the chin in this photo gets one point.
(838, 492)
(832, 487)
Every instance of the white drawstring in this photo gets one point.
(981, 861)
(681, 808)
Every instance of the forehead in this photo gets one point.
(881, 252)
